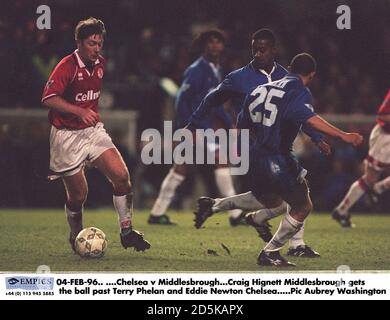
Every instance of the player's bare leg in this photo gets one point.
(172, 181)
(111, 164)
(363, 185)
(76, 188)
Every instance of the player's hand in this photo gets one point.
(352, 138)
(324, 148)
(88, 116)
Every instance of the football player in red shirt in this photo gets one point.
(77, 135)
(376, 163)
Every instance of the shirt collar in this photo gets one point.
(80, 62)
(215, 67)
(266, 73)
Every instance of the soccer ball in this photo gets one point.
(91, 243)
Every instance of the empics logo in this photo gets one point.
(90, 95)
(13, 281)
(29, 283)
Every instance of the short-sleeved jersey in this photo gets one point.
(78, 85)
(199, 79)
(275, 111)
(384, 109)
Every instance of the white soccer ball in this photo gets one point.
(91, 243)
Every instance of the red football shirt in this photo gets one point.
(384, 109)
(76, 84)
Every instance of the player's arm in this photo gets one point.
(231, 113)
(302, 112)
(315, 136)
(325, 127)
(190, 93)
(88, 116)
(214, 98)
(52, 96)
(317, 139)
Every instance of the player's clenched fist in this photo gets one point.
(353, 138)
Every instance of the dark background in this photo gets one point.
(151, 40)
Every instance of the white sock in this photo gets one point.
(245, 201)
(266, 214)
(75, 220)
(225, 186)
(382, 185)
(356, 191)
(287, 228)
(124, 207)
(167, 191)
(297, 239)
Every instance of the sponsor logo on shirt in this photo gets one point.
(90, 95)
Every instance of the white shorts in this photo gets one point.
(70, 149)
(379, 153)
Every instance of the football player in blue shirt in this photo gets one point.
(274, 113)
(200, 78)
(236, 85)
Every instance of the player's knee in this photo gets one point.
(122, 181)
(78, 199)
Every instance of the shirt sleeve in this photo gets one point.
(187, 94)
(214, 98)
(59, 79)
(189, 87)
(300, 109)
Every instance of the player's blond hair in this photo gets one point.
(88, 27)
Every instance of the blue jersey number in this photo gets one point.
(265, 97)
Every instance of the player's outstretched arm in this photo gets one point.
(213, 99)
(325, 127)
(88, 116)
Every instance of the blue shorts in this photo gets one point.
(275, 174)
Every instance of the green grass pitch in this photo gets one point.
(29, 238)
